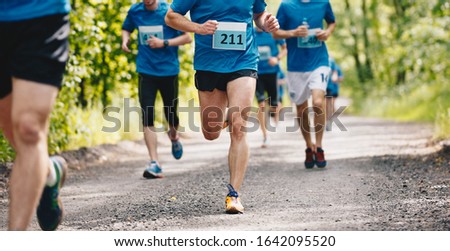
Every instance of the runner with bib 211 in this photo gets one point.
(226, 58)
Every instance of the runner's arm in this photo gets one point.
(323, 35)
(266, 21)
(181, 23)
(300, 31)
(125, 40)
(182, 39)
(283, 52)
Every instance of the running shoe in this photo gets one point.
(177, 149)
(153, 170)
(233, 202)
(225, 124)
(309, 161)
(320, 158)
(50, 209)
(266, 142)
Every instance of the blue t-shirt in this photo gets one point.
(160, 61)
(305, 54)
(267, 47)
(223, 60)
(332, 86)
(18, 10)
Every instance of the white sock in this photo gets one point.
(51, 178)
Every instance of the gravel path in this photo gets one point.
(381, 176)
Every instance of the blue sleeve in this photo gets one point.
(128, 24)
(280, 41)
(333, 65)
(182, 6)
(282, 20)
(339, 70)
(329, 15)
(259, 6)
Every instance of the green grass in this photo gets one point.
(424, 103)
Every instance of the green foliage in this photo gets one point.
(394, 55)
(6, 151)
(99, 75)
(407, 52)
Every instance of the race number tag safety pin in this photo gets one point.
(230, 36)
(145, 33)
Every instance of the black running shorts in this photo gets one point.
(267, 83)
(208, 80)
(148, 89)
(36, 50)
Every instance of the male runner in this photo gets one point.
(301, 24)
(226, 58)
(158, 67)
(33, 55)
(268, 67)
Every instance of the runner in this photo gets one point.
(333, 89)
(301, 25)
(281, 82)
(226, 61)
(33, 55)
(158, 67)
(268, 66)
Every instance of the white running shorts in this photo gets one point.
(300, 84)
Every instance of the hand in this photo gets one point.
(323, 35)
(271, 23)
(273, 61)
(155, 42)
(125, 44)
(334, 77)
(207, 28)
(300, 31)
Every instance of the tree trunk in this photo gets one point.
(355, 50)
(366, 23)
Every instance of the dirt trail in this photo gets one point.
(381, 176)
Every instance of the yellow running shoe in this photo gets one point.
(233, 202)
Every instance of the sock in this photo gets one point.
(51, 178)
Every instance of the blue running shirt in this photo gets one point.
(235, 46)
(18, 10)
(305, 56)
(267, 47)
(156, 62)
(332, 86)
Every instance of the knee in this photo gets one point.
(238, 129)
(262, 106)
(211, 135)
(28, 128)
(318, 102)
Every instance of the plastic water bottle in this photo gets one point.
(305, 23)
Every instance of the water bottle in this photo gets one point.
(305, 23)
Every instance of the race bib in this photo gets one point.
(230, 36)
(145, 33)
(264, 52)
(310, 41)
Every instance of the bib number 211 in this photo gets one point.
(230, 36)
